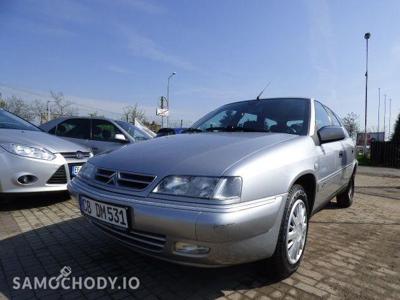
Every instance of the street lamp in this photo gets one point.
(366, 37)
(169, 78)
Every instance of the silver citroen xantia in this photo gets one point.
(239, 186)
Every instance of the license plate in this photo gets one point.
(75, 170)
(111, 214)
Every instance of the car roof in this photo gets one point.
(274, 98)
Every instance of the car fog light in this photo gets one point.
(190, 248)
(26, 179)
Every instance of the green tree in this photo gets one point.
(396, 133)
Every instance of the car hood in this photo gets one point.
(207, 154)
(39, 139)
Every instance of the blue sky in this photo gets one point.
(108, 54)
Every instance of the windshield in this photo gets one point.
(133, 131)
(10, 121)
(268, 115)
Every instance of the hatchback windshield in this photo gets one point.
(268, 115)
(10, 121)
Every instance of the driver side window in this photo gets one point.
(103, 130)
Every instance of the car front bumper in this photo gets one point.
(234, 234)
(14, 166)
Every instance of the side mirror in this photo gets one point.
(120, 138)
(329, 134)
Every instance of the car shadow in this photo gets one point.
(11, 203)
(88, 252)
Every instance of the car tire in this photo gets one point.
(285, 259)
(345, 199)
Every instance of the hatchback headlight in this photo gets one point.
(219, 188)
(87, 171)
(28, 151)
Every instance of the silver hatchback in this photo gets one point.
(239, 186)
(33, 161)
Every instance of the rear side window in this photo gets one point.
(103, 130)
(74, 128)
(321, 116)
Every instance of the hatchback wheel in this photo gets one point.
(293, 233)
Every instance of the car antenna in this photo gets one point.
(259, 95)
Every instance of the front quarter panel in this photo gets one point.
(272, 171)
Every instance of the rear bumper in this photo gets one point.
(234, 234)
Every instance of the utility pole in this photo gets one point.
(390, 116)
(366, 37)
(379, 108)
(384, 120)
(169, 78)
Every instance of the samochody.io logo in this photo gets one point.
(66, 281)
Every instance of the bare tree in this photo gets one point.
(3, 102)
(60, 106)
(132, 112)
(19, 107)
(350, 122)
(39, 110)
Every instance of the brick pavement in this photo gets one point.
(351, 253)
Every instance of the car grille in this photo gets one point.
(123, 179)
(59, 177)
(139, 239)
(76, 155)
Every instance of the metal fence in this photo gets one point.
(386, 154)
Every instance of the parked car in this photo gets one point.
(241, 188)
(170, 131)
(32, 160)
(99, 134)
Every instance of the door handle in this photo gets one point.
(341, 153)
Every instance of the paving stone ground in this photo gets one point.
(351, 253)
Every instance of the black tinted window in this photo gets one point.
(103, 130)
(321, 116)
(269, 115)
(11, 121)
(74, 128)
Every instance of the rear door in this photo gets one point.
(329, 161)
(103, 136)
(76, 130)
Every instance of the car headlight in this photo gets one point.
(87, 171)
(219, 188)
(28, 151)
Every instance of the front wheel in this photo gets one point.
(293, 233)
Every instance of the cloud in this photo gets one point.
(145, 6)
(142, 46)
(119, 70)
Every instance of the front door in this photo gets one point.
(329, 165)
